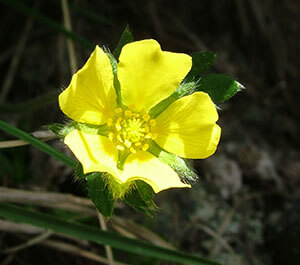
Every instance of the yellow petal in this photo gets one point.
(90, 97)
(187, 127)
(148, 168)
(148, 75)
(95, 152)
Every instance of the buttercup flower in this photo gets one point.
(147, 75)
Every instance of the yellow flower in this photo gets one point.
(147, 75)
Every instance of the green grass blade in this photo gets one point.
(34, 13)
(37, 143)
(94, 234)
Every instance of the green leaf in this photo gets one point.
(100, 194)
(37, 143)
(126, 37)
(93, 234)
(201, 63)
(220, 87)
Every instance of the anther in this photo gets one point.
(128, 113)
(111, 136)
(152, 123)
(120, 147)
(119, 138)
(127, 143)
(154, 136)
(118, 110)
(146, 117)
(109, 122)
(145, 147)
(148, 135)
(145, 129)
(132, 150)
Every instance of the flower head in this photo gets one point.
(147, 75)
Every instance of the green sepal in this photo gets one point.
(63, 129)
(91, 128)
(145, 191)
(185, 88)
(202, 61)
(56, 128)
(78, 171)
(179, 165)
(141, 198)
(117, 86)
(100, 193)
(126, 37)
(220, 87)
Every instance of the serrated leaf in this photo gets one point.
(201, 63)
(100, 194)
(220, 87)
(126, 37)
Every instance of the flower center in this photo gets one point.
(131, 130)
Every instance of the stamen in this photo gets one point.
(145, 129)
(109, 122)
(132, 150)
(111, 136)
(118, 110)
(127, 143)
(131, 131)
(128, 113)
(119, 138)
(154, 136)
(152, 123)
(145, 147)
(120, 147)
(118, 126)
(146, 117)
(148, 135)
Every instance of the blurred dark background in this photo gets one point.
(245, 209)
